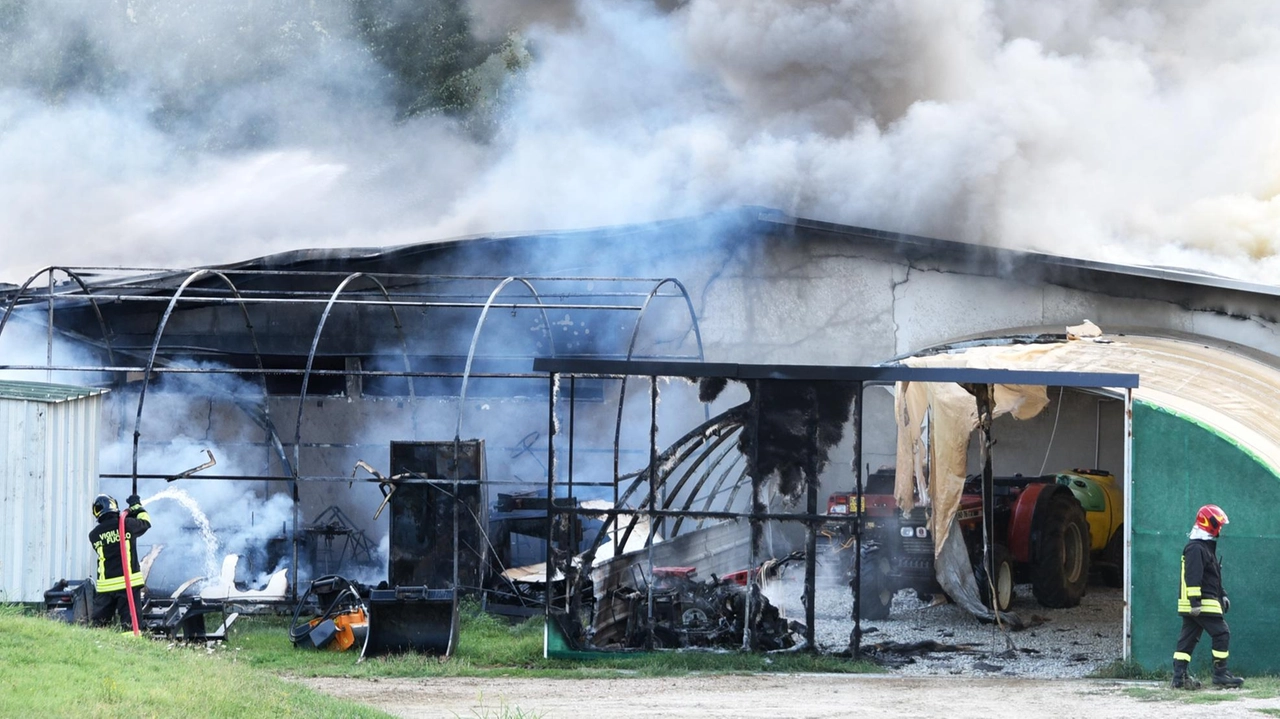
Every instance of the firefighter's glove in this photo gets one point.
(1226, 604)
(1195, 610)
(134, 500)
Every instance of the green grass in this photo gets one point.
(1267, 687)
(49, 667)
(54, 669)
(489, 646)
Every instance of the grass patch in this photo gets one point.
(50, 667)
(489, 646)
(1265, 687)
(1121, 669)
(501, 711)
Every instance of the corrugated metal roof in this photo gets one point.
(44, 391)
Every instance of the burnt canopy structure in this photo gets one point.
(247, 362)
(791, 419)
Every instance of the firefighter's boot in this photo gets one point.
(1223, 678)
(1182, 679)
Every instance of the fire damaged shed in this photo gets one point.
(708, 506)
(297, 369)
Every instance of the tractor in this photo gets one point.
(1047, 531)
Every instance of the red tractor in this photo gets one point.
(1041, 532)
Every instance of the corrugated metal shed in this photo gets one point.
(48, 478)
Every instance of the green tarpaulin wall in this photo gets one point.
(1178, 466)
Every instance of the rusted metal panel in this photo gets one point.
(48, 478)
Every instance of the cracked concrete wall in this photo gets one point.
(823, 300)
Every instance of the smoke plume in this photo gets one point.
(179, 133)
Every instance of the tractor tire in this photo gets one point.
(1060, 552)
(1113, 559)
(1003, 581)
(876, 585)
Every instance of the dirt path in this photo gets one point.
(771, 696)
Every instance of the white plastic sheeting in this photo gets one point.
(48, 479)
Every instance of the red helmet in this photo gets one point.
(1210, 518)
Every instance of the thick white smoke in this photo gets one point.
(1124, 130)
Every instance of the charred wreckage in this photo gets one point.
(675, 554)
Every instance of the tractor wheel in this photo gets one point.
(876, 585)
(1003, 581)
(1060, 553)
(1113, 559)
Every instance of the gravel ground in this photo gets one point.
(768, 696)
(1058, 643)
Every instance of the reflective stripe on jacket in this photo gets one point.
(1201, 578)
(105, 538)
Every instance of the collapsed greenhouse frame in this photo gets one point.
(565, 633)
(173, 292)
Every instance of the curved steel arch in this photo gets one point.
(692, 441)
(736, 463)
(315, 344)
(102, 322)
(706, 448)
(475, 338)
(631, 347)
(155, 347)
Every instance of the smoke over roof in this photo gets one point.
(185, 133)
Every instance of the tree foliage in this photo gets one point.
(428, 51)
(190, 56)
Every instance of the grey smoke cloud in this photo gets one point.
(1124, 131)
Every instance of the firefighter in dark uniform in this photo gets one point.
(1203, 601)
(111, 598)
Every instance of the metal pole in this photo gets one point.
(856, 649)
(48, 374)
(811, 526)
(988, 493)
(757, 508)
(457, 510)
(1097, 433)
(573, 524)
(551, 473)
(1128, 524)
(653, 477)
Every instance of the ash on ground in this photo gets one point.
(941, 639)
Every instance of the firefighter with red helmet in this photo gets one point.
(110, 596)
(1202, 602)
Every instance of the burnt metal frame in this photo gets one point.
(169, 286)
(977, 381)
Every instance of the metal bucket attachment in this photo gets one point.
(412, 619)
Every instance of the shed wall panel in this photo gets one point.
(1178, 466)
(48, 478)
